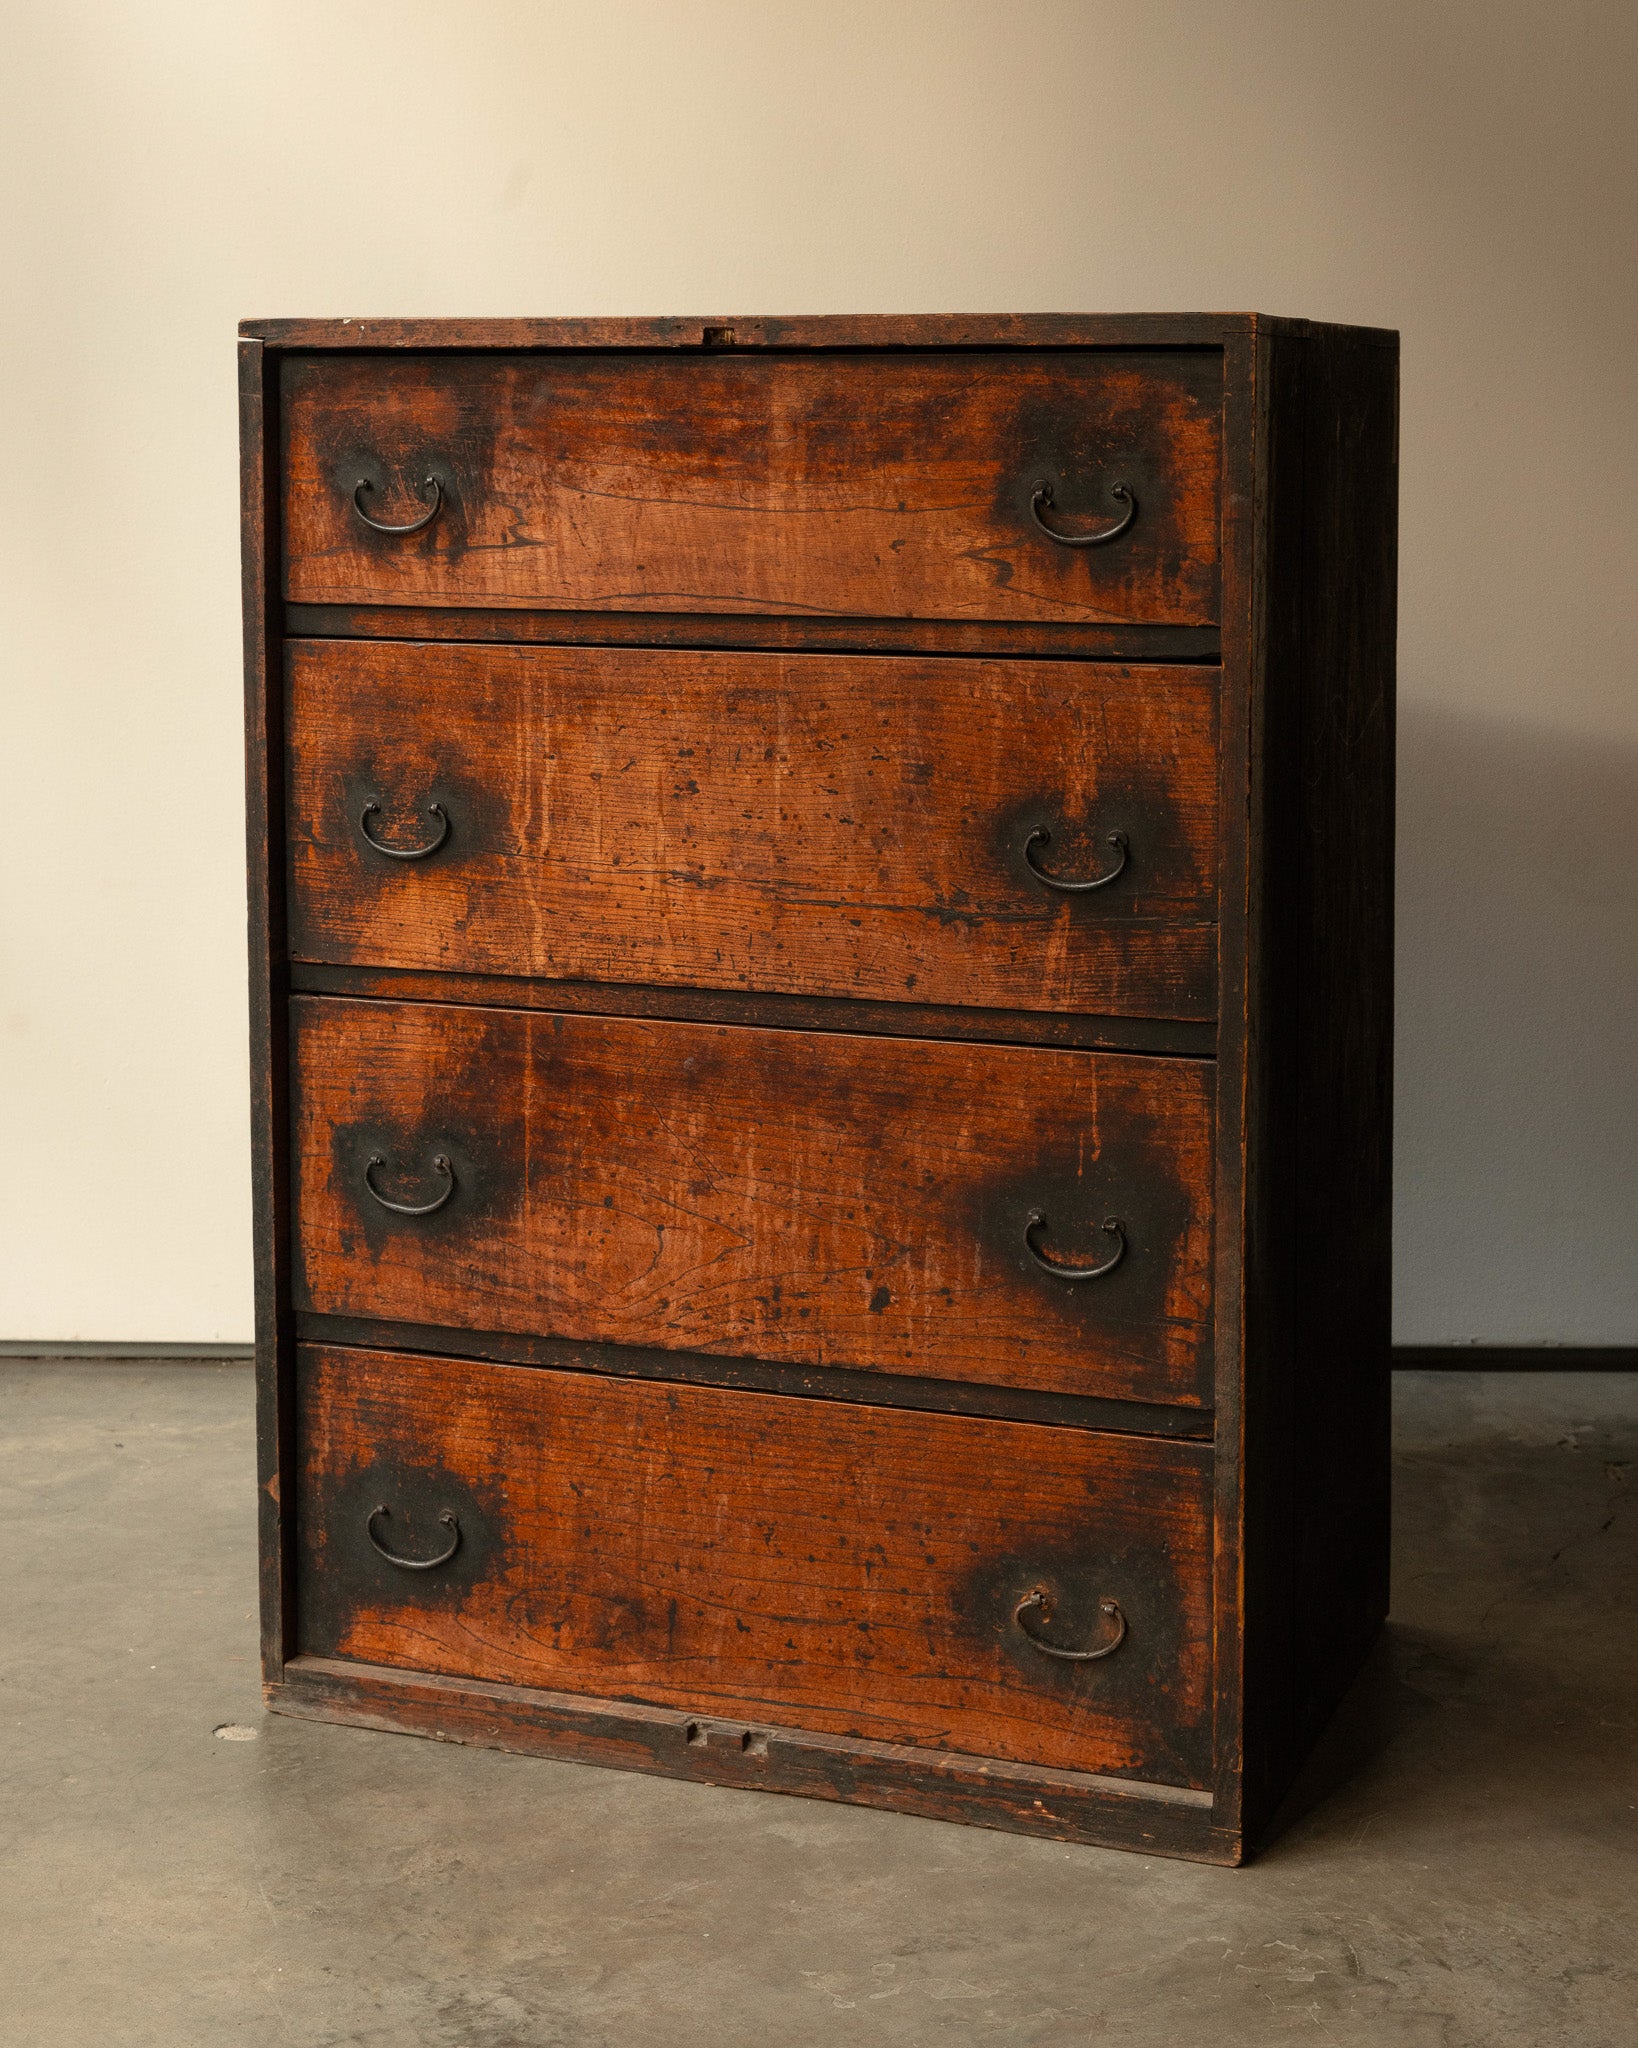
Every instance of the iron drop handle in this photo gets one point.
(440, 1164)
(429, 485)
(373, 809)
(1112, 1227)
(1041, 499)
(1038, 1607)
(1040, 836)
(413, 1564)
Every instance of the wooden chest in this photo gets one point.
(821, 966)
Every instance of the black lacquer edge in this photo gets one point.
(1239, 703)
(1176, 1038)
(261, 466)
(755, 1375)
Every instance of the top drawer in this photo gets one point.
(913, 485)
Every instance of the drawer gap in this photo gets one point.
(1172, 1037)
(751, 633)
(755, 1375)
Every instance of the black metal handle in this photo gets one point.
(1112, 1226)
(413, 1564)
(1040, 836)
(440, 1164)
(1121, 493)
(430, 483)
(372, 809)
(1038, 1605)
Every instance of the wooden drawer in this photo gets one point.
(797, 1197)
(814, 824)
(761, 1558)
(896, 485)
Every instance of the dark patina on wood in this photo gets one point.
(894, 485)
(876, 828)
(768, 632)
(1070, 1030)
(856, 1571)
(875, 1388)
(862, 499)
(802, 1198)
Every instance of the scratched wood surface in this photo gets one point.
(802, 1197)
(808, 824)
(853, 1570)
(895, 484)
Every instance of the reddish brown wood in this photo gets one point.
(768, 632)
(780, 1012)
(1063, 1806)
(808, 824)
(1292, 1337)
(807, 1199)
(884, 485)
(819, 1383)
(854, 1571)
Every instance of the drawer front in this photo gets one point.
(859, 1571)
(858, 826)
(891, 486)
(806, 1198)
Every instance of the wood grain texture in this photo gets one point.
(892, 485)
(766, 632)
(1259, 1322)
(717, 332)
(818, 1383)
(850, 1570)
(1062, 1806)
(778, 1012)
(802, 331)
(807, 1199)
(806, 824)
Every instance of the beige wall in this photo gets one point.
(1460, 171)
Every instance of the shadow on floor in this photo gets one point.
(1458, 1874)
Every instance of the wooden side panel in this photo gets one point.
(1344, 1119)
(808, 824)
(268, 985)
(1239, 1024)
(1317, 1447)
(892, 485)
(803, 1198)
(855, 1571)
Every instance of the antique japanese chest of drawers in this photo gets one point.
(821, 965)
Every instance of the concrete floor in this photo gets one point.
(1471, 1883)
